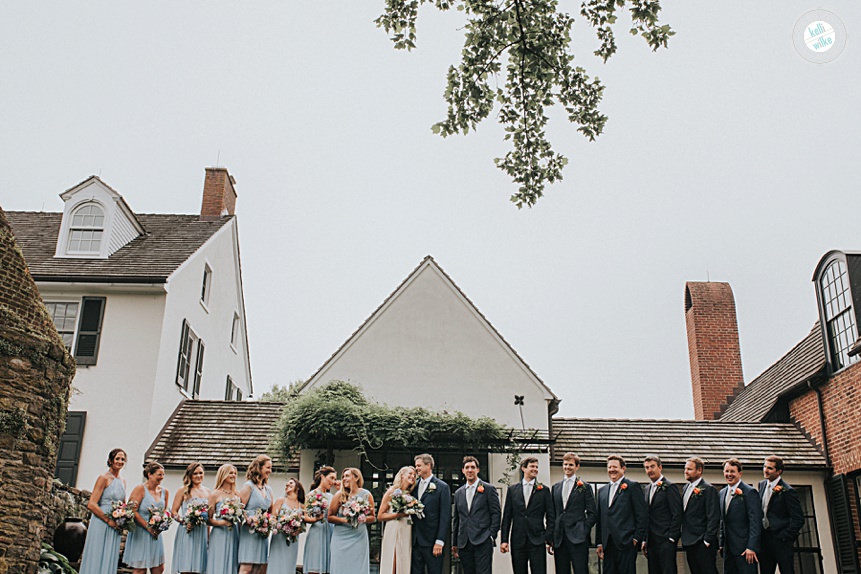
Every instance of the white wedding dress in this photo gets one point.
(396, 553)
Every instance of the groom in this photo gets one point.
(430, 532)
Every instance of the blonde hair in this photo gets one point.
(400, 480)
(254, 469)
(222, 473)
(355, 485)
(186, 479)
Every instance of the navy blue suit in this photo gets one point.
(573, 529)
(665, 527)
(476, 527)
(785, 519)
(530, 527)
(620, 525)
(700, 528)
(434, 526)
(741, 525)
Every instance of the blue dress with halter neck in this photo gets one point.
(102, 547)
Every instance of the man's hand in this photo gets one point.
(750, 556)
(550, 549)
(503, 547)
(645, 550)
(437, 549)
(600, 551)
(453, 551)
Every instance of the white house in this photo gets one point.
(150, 305)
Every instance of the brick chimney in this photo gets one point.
(219, 195)
(716, 375)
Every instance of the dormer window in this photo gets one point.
(837, 310)
(86, 230)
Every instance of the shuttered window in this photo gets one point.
(69, 451)
(89, 330)
(841, 524)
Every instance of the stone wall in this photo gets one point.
(35, 378)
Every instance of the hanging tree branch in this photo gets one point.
(535, 38)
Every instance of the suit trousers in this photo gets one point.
(477, 558)
(619, 560)
(422, 557)
(701, 558)
(533, 555)
(568, 556)
(774, 552)
(737, 564)
(662, 556)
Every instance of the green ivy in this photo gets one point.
(14, 422)
(337, 415)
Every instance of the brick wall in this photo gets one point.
(219, 195)
(713, 347)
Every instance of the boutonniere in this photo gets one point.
(580, 486)
(777, 489)
(431, 487)
(661, 485)
(623, 486)
(538, 486)
(480, 487)
(697, 491)
(738, 492)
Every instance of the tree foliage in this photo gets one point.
(338, 415)
(279, 394)
(530, 42)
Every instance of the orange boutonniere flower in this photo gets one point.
(697, 491)
(738, 492)
(661, 485)
(624, 486)
(777, 489)
(539, 486)
(480, 488)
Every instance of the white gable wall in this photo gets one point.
(429, 347)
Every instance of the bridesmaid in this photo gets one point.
(283, 555)
(189, 546)
(315, 559)
(144, 548)
(102, 547)
(396, 551)
(255, 494)
(350, 550)
(223, 548)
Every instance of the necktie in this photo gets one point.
(766, 497)
(652, 489)
(689, 490)
(613, 487)
(527, 492)
(470, 494)
(728, 500)
(566, 491)
(423, 484)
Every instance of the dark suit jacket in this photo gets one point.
(741, 525)
(665, 512)
(627, 519)
(532, 523)
(481, 522)
(701, 518)
(434, 526)
(784, 514)
(574, 522)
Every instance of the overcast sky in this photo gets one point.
(727, 157)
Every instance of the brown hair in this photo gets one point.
(470, 458)
(572, 456)
(186, 479)
(616, 457)
(425, 458)
(356, 485)
(113, 454)
(300, 490)
(319, 474)
(778, 462)
(151, 468)
(527, 461)
(254, 473)
(734, 462)
(653, 458)
(698, 462)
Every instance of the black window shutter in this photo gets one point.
(198, 370)
(89, 330)
(69, 452)
(182, 360)
(841, 524)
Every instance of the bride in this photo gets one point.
(397, 534)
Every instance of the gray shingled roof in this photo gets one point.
(169, 241)
(676, 440)
(795, 368)
(218, 432)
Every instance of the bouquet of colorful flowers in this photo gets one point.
(232, 510)
(407, 504)
(196, 513)
(160, 519)
(261, 523)
(356, 510)
(123, 513)
(290, 524)
(316, 505)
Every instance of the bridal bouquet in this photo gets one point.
(290, 524)
(196, 513)
(123, 513)
(316, 505)
(356, 510)
(160, 519)
(232, 511)
(261, 523)
(407, 504)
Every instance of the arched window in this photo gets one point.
(86, 230)
(838, 315)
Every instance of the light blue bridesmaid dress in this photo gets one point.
(351, 553)
(142, 550)
(317, 541)
(189, 548)
(253, 548)
(102, 548)
(221, 557)
(282, 557)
